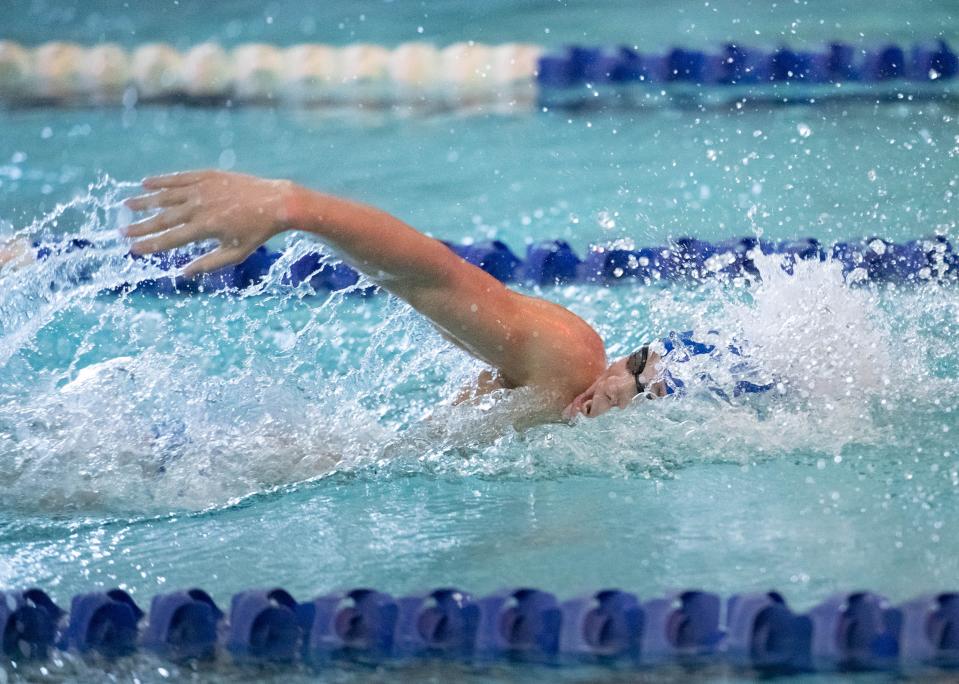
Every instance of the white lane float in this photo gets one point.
(15, 70)
(57, 71)
(156, 70)
(104, 72)
(206, 71)
(257, 72)
(309, 72)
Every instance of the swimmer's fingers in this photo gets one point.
(157, 200)
(175, 237)
(16, 251)
(220, 257)
(165, 220)
(175, 180)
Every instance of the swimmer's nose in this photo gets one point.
(587, 406)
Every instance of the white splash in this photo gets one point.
(148, 404)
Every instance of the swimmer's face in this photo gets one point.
(616, 387)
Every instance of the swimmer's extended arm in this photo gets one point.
(530, 341)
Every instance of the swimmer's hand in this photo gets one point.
(240, 212)
(16, 252)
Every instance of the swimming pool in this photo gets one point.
(305, 455)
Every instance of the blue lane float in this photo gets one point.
(442, 623)
(361, 622)
(607, 625)
(855, 630)
(685, 260)
(763, 633)
(263, 626)
(577, 66)
(760, 632)
(519, 623)
(183, 625)
(102, 622)
(28, 624)
(929, 629)
(682, 626)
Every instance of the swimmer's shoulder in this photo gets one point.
(565, 359)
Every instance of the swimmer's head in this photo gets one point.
(619, 385)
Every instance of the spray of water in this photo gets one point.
(136, 403)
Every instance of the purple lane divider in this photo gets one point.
(756, 631)
(29, 624)
(681, 625)
(518, 623)
(763, 633)
(264, 626)
(361, 621)
(103, 622)
(602, 626)
(929, 631)
(183, 625)
(442, 623)
(854, 630)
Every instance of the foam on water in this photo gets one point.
(140, 404)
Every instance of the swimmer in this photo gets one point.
(528, 342)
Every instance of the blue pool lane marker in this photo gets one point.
(577, 66)
(29, 624)
(553, 262)
(606, 625)
(183, 624)
(102, 622)
(263, 626)
(442, 623)
(762, 632)
(361, 621)
(759, 631)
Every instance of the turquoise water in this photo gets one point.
(658, 23)
(307, 441)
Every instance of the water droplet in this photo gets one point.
(227, 159)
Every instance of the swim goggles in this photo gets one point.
(636, 364)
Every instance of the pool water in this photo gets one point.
(281, 437)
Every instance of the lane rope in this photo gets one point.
(461, 74)
(554, 262)
(759, 631)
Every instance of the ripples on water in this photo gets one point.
(139, 404)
